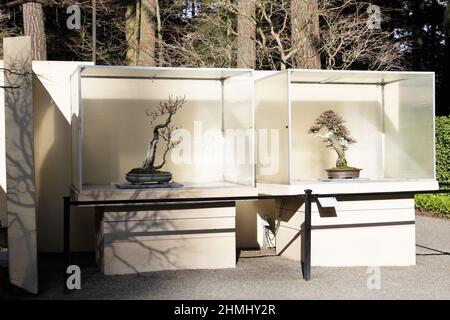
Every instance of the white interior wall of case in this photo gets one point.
(117, 131)
(360, 107)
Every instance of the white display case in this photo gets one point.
(391, 114)
(111, 131)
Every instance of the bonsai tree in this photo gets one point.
(162, 131)
(337, 135)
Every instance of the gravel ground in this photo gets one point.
(268, 277)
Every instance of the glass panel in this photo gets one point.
(409, 118)
(238, 129)
(272, 120)
(74, 102)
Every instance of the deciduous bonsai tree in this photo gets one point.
(162, 131)
(337, 135)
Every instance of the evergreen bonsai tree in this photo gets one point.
(163, 130)
(337, 135)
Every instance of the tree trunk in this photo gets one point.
(305, 33)
(246, 28)
(446, 20)
(418, 33)
(137, 33)
(147, 33)
(160, 47)
(33, 23)
(130, 28)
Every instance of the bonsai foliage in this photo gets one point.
(162, 131)
(337, 136)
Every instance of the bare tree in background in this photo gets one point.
(5, 30)
(347, 38)
(264, 34)
(112, 45)
(289, 36)
(206, 39)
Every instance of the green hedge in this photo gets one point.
(439, 204)
(443, 149)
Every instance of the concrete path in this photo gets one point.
(278, 278)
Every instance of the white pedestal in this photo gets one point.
(359, 231)
(167, 236)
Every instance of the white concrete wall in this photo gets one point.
(51, 87)
(19, 153)
(53, 158)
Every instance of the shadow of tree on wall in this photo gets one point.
(20, 174)
(157, 240)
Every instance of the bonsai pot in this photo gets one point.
(343, 173)
(140, 178)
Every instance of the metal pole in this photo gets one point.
(307, 238)
(94, 31)
(66, 240)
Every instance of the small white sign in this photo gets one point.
(330, 202)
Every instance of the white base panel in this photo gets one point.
(169, 237)
(358, 232)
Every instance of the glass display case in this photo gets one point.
(391, 115)
(111, 130)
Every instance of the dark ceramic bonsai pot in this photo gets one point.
(141, 178)
(343, 173)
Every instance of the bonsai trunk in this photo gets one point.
(341, 161)
(151, 152)
(149, 162)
